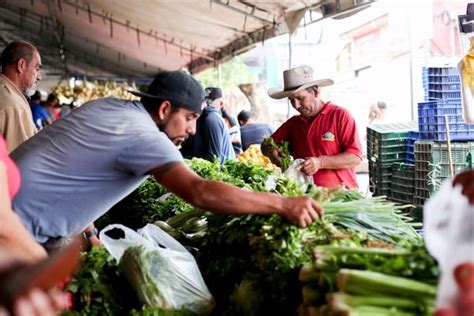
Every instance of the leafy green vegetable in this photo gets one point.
(415, 263)
(284, 147)
(98, 288)
(138, 208)
(143, 268)
(164, 280)
(242, 255)
(156, 311)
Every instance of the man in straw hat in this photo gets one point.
(324, 134)
(104, 150)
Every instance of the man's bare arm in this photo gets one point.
(227, 199)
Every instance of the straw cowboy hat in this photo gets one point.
(296, 79)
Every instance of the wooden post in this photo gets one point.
(448, 138)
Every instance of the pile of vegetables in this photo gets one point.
(82, 91)
(284, 151)
(254, 155)
(253, 264)
(369, 280)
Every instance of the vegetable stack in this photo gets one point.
(251, 263)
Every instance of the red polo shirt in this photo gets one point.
(332, 131)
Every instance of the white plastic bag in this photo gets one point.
(294, 172)
(467, 96)
(178, 279)
(449, 237)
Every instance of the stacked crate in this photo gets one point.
(413, 136)
(432, 165)
(386, 144)
(432, 120)
(443, 101)
(441, 83)
(402, 188)
(443, 94)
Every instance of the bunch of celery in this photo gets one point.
(379, 286)
(370, 293)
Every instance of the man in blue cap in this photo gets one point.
(212, 138)
(104, 150)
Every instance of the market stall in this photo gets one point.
(163, 256)
(364, 256)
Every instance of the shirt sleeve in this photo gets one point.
(147, 151)
(16, 127)
(282, 133)
(212, 138)
(269, 130)
(348, 134)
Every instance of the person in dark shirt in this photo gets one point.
(212, 138)
(234, 131)
(252, 132)
(40, 114)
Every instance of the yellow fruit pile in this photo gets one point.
(254, 155)
(83, 91)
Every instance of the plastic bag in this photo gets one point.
(294, 172)
(467, 85)
(174, 283)
(449, 237)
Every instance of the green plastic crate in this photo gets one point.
(386, 143)
(432, 165)
(391, 131)
(402, 184)
(401, 197)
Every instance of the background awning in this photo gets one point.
(131, 38)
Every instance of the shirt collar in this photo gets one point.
(324, 111)
(326, 108)
(12, 86)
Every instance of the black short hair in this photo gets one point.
(36, 96)
(244, 115)
(16, 50)
(52, 97)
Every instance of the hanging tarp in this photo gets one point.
(143, 37)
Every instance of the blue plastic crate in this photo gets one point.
(412, 137)
(431, 121)
(456, 133)
(435, 95)
(444, 87)
(442, 71)
(410, 158)
(444, 79)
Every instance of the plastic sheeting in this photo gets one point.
(141, 38)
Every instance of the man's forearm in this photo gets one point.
(241, 201)
(226, 199)
(13, 235)
(340, 161)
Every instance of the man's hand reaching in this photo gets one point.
(301, 211)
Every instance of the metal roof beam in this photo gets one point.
(227, 5)
(136, 28)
